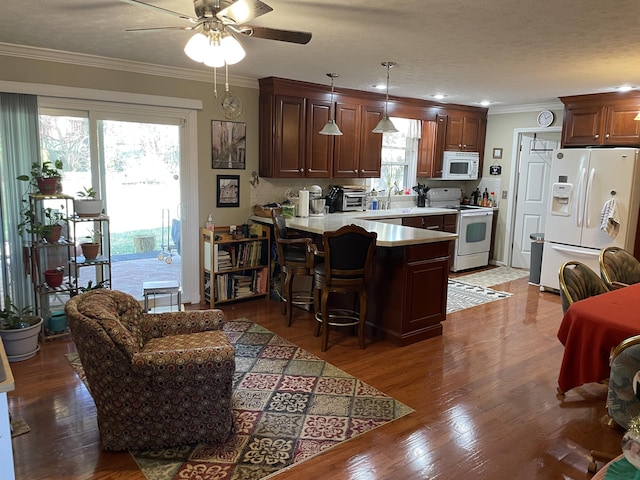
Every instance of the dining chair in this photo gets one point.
(577, 282)
(295, 258)
(623, 404)
(348, 254)
(618, 268)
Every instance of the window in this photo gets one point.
(399, 156)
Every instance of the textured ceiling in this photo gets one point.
(510, 52)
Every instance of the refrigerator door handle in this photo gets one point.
(575, 251)
(587, 198)
(580, 199)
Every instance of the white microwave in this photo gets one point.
(460, 165)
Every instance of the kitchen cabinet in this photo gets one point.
(408, 292)
(440, 223)
(451, 131)
(601, 119)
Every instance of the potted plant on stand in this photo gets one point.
(45, 177)
(19, 330)
(50, 230)
(87, 204)
(91, 245)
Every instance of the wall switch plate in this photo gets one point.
(504, 194)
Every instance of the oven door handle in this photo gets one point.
(475, 214)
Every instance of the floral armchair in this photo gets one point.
(157, 380)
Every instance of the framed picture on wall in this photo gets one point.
(228, 144)
(228, 191)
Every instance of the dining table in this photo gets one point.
(590, 328)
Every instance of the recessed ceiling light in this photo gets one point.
(485, 103)
(439, 96)
(379, 87)
(625, 88)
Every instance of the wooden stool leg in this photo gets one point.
(318, 310)
(325, 319)
(363, 317)
(289, 290)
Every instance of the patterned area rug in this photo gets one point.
(493, 276)
(462, 295)
(289, 405)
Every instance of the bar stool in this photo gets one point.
(296, 259)
(348, 254)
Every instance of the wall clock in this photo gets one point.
(545, 118)
(230, 105)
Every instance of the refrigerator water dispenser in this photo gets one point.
(561, 198)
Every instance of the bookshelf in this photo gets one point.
(233, 267)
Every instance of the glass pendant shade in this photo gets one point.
(196, 47)
(330, 128)
(385, 125)
(637, 116)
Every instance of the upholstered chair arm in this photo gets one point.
(156, 325)
(298, 242)
(617, 285)
(182, 360)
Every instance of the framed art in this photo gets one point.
(228, 144)
(497, 153)
(228, 191)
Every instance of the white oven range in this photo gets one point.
(473, 228)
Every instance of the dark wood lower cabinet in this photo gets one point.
(408, 294)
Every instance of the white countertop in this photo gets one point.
(389, 235)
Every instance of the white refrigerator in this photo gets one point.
(582, 182)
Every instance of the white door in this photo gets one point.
(532, 192)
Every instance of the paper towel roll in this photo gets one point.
(303, 205)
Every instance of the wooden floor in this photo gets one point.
(484, 394)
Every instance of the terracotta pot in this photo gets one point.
(51, 233)
(53, 277)
(48, 186)
(90, 250)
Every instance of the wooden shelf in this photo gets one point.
(245, 273)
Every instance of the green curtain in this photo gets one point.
(19, 147)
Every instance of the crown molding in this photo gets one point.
(531, 107)
(85, 60)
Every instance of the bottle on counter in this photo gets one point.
(210, 225)
(485, 198)
(492, 201)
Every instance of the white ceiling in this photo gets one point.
(511, 52)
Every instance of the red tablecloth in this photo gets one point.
(590, 329)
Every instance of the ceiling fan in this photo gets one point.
(219, 20)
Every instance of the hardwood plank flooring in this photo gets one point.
(484, 394)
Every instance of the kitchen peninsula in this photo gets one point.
(408, 291)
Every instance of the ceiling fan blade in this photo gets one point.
(242, 11)
(274, 34)
(160, 9)
(190, 27)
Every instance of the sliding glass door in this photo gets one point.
(133, 161)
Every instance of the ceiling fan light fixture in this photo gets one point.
(233, 51)
(330, 128)
(385, 125)
(196, 47)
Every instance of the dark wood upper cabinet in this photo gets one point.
(293, 113)
(606, 119)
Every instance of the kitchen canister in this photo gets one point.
(303, 203)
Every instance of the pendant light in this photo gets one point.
(330, 127)
(385, 125)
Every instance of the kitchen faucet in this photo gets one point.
(397, 189)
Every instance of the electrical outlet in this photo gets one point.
(504, 194)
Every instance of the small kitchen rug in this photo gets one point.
(494, 276)
(461, 295)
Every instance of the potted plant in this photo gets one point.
(87, 204)
(50, 229)
(45, 177)
(90, 286)
(19, 330)
(54, 276)
(91, 245)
